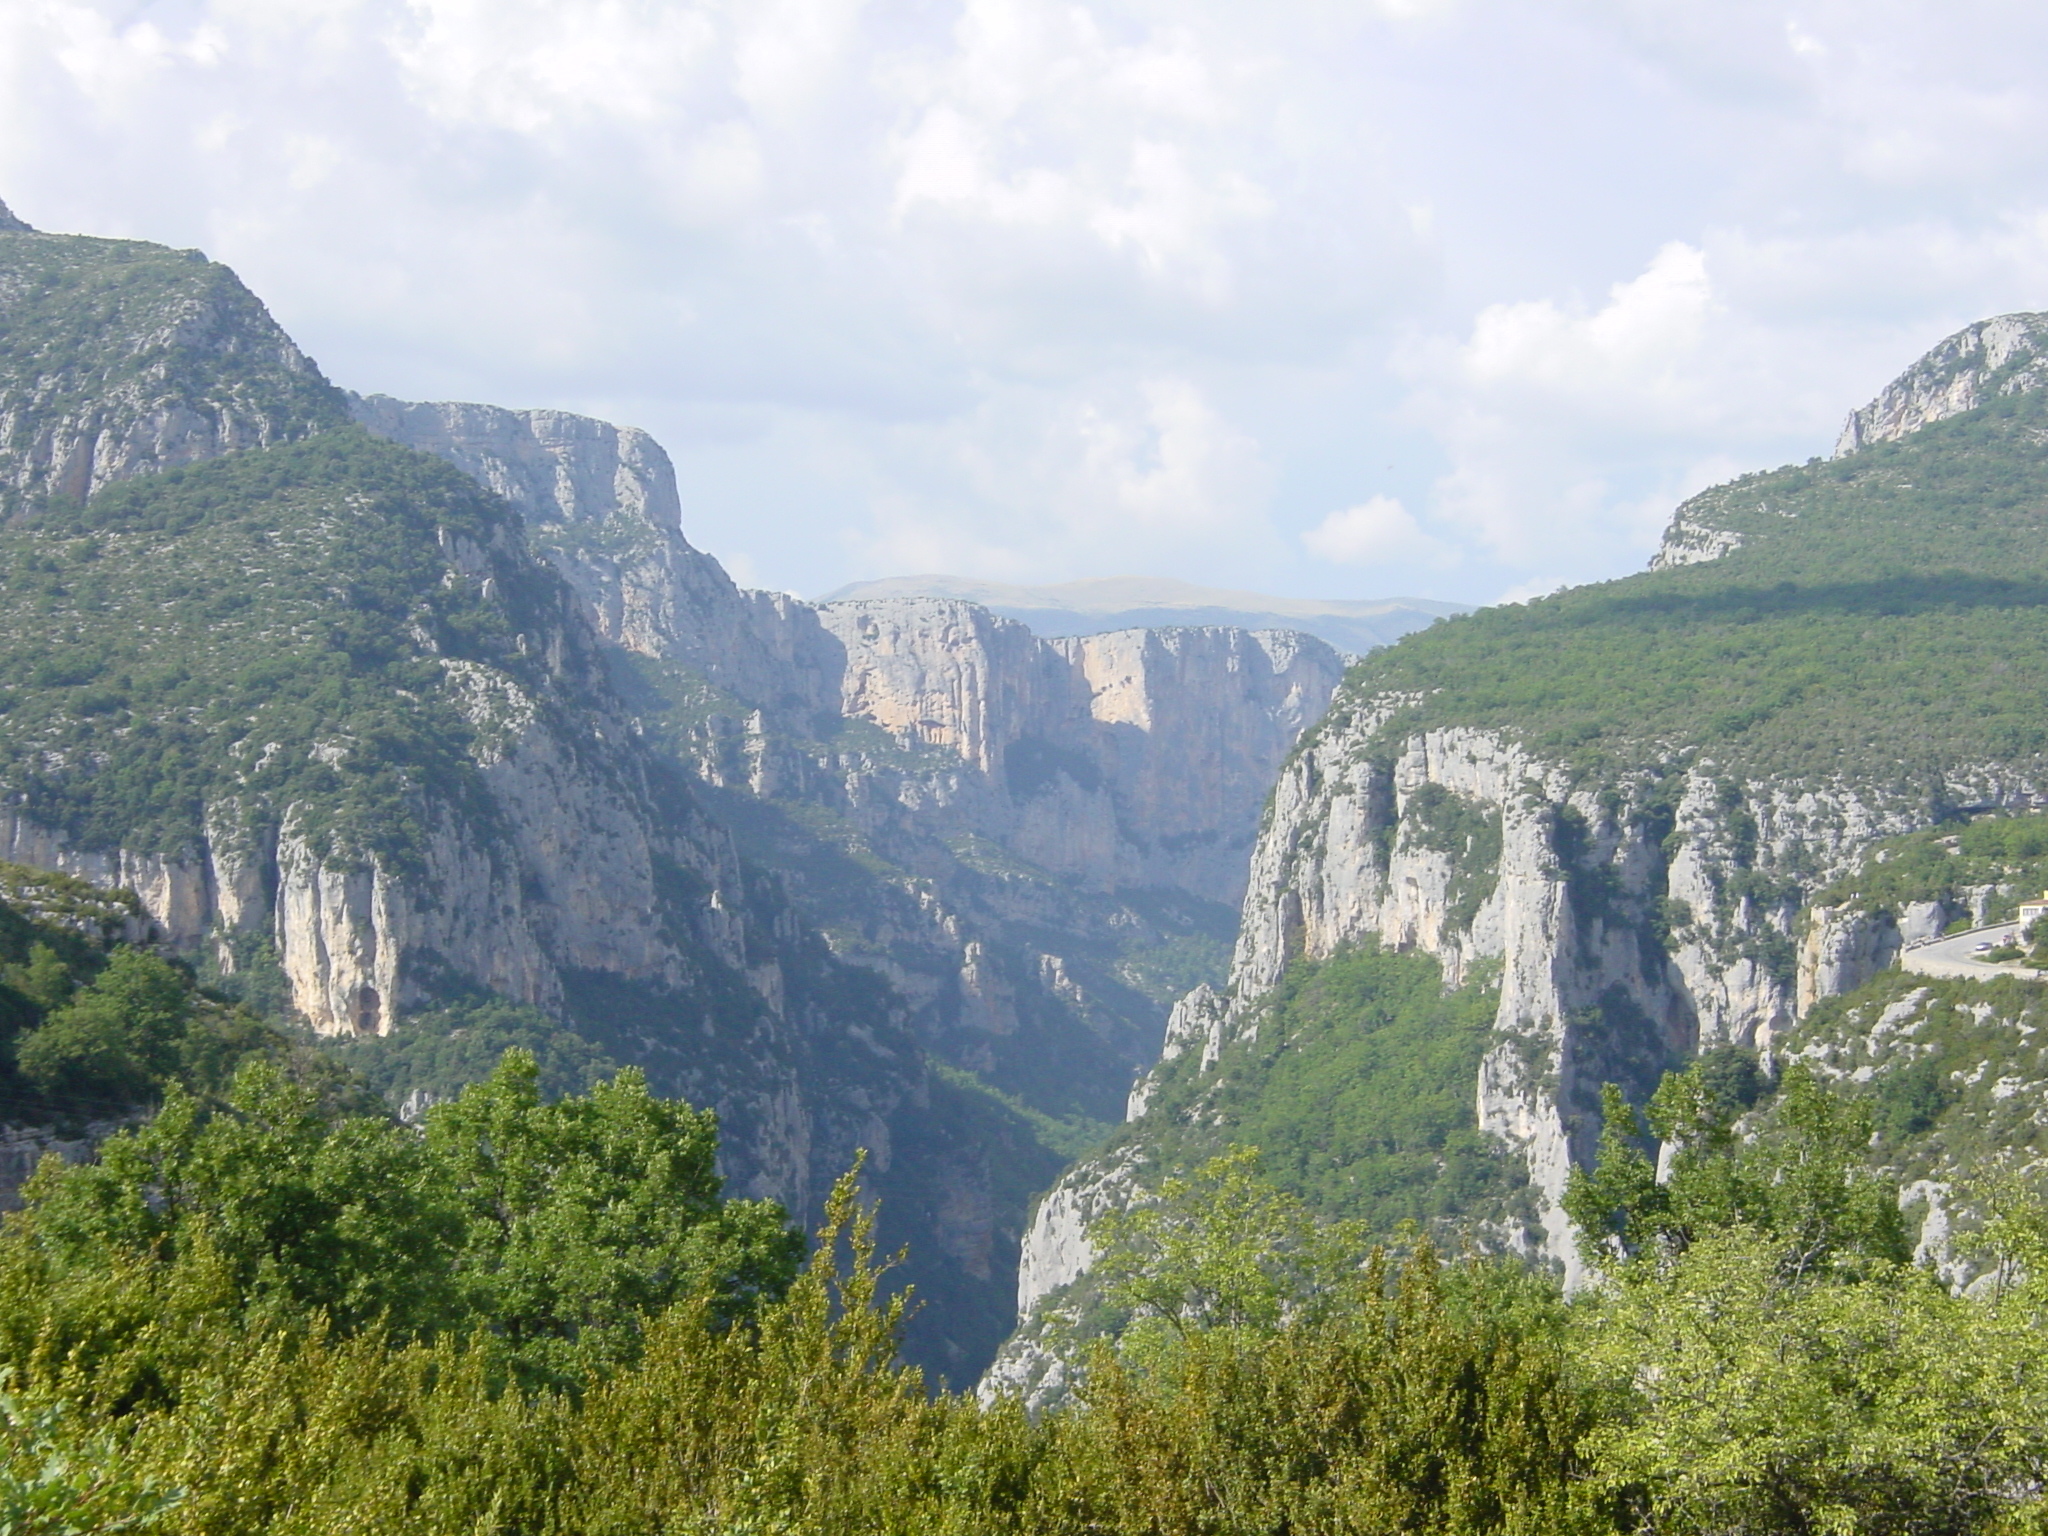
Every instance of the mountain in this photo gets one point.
(1136, 602)
(1586, 839)
(423, 725)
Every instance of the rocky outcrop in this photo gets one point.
(1990, 360)
(951, 676)
(1199, 1023)
(1841, 949)
(1033, 1365)
(2007, 355)
(601, 503)
(1057, 1250)
(1635, 920)
(182, 364)
(23, 1148)
(1693, 541)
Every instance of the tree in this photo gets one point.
(556, 1230)
(1801, 1181)
(1740, 1398)
(1618, 1207)
(118, 1038)
(1222, 1248)
(581, 1217)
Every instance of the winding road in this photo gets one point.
(1957, 955)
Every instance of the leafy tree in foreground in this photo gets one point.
(1740, 1400)
(554, 1229)
(1312, 1383)
(1768, 1360)
(582, 1217)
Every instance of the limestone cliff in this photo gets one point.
(601, 503)
(1111, 762)
(1131, 758)
(1561, 791)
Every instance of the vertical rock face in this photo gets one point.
(1842, 949)
(1133, 758)
(951, 676)
(1560, 895)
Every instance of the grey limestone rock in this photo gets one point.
(2006, 355)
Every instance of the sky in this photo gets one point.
(1325, 298)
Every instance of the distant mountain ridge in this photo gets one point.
(1109, 603)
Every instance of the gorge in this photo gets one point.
(423, 726)
(376, 740)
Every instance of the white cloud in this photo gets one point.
(1033, 485)
(1170, 463)
(1379, 531)
(1633, 353)
(1056, 287)
(529, 65)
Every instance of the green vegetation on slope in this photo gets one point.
(1882, 620)
(1357, 1091)
(90, 1026)
(2004, 857)
(278, 625)
(435, 1054)
(1954, 1072)
(99, 333)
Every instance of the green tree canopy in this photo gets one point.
(554, 1228)
(1803, 1186)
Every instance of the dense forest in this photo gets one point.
(1875, 620)
(269, 1313)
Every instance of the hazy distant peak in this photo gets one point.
(10, 225)
(1132, 602)
(1114, 594)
